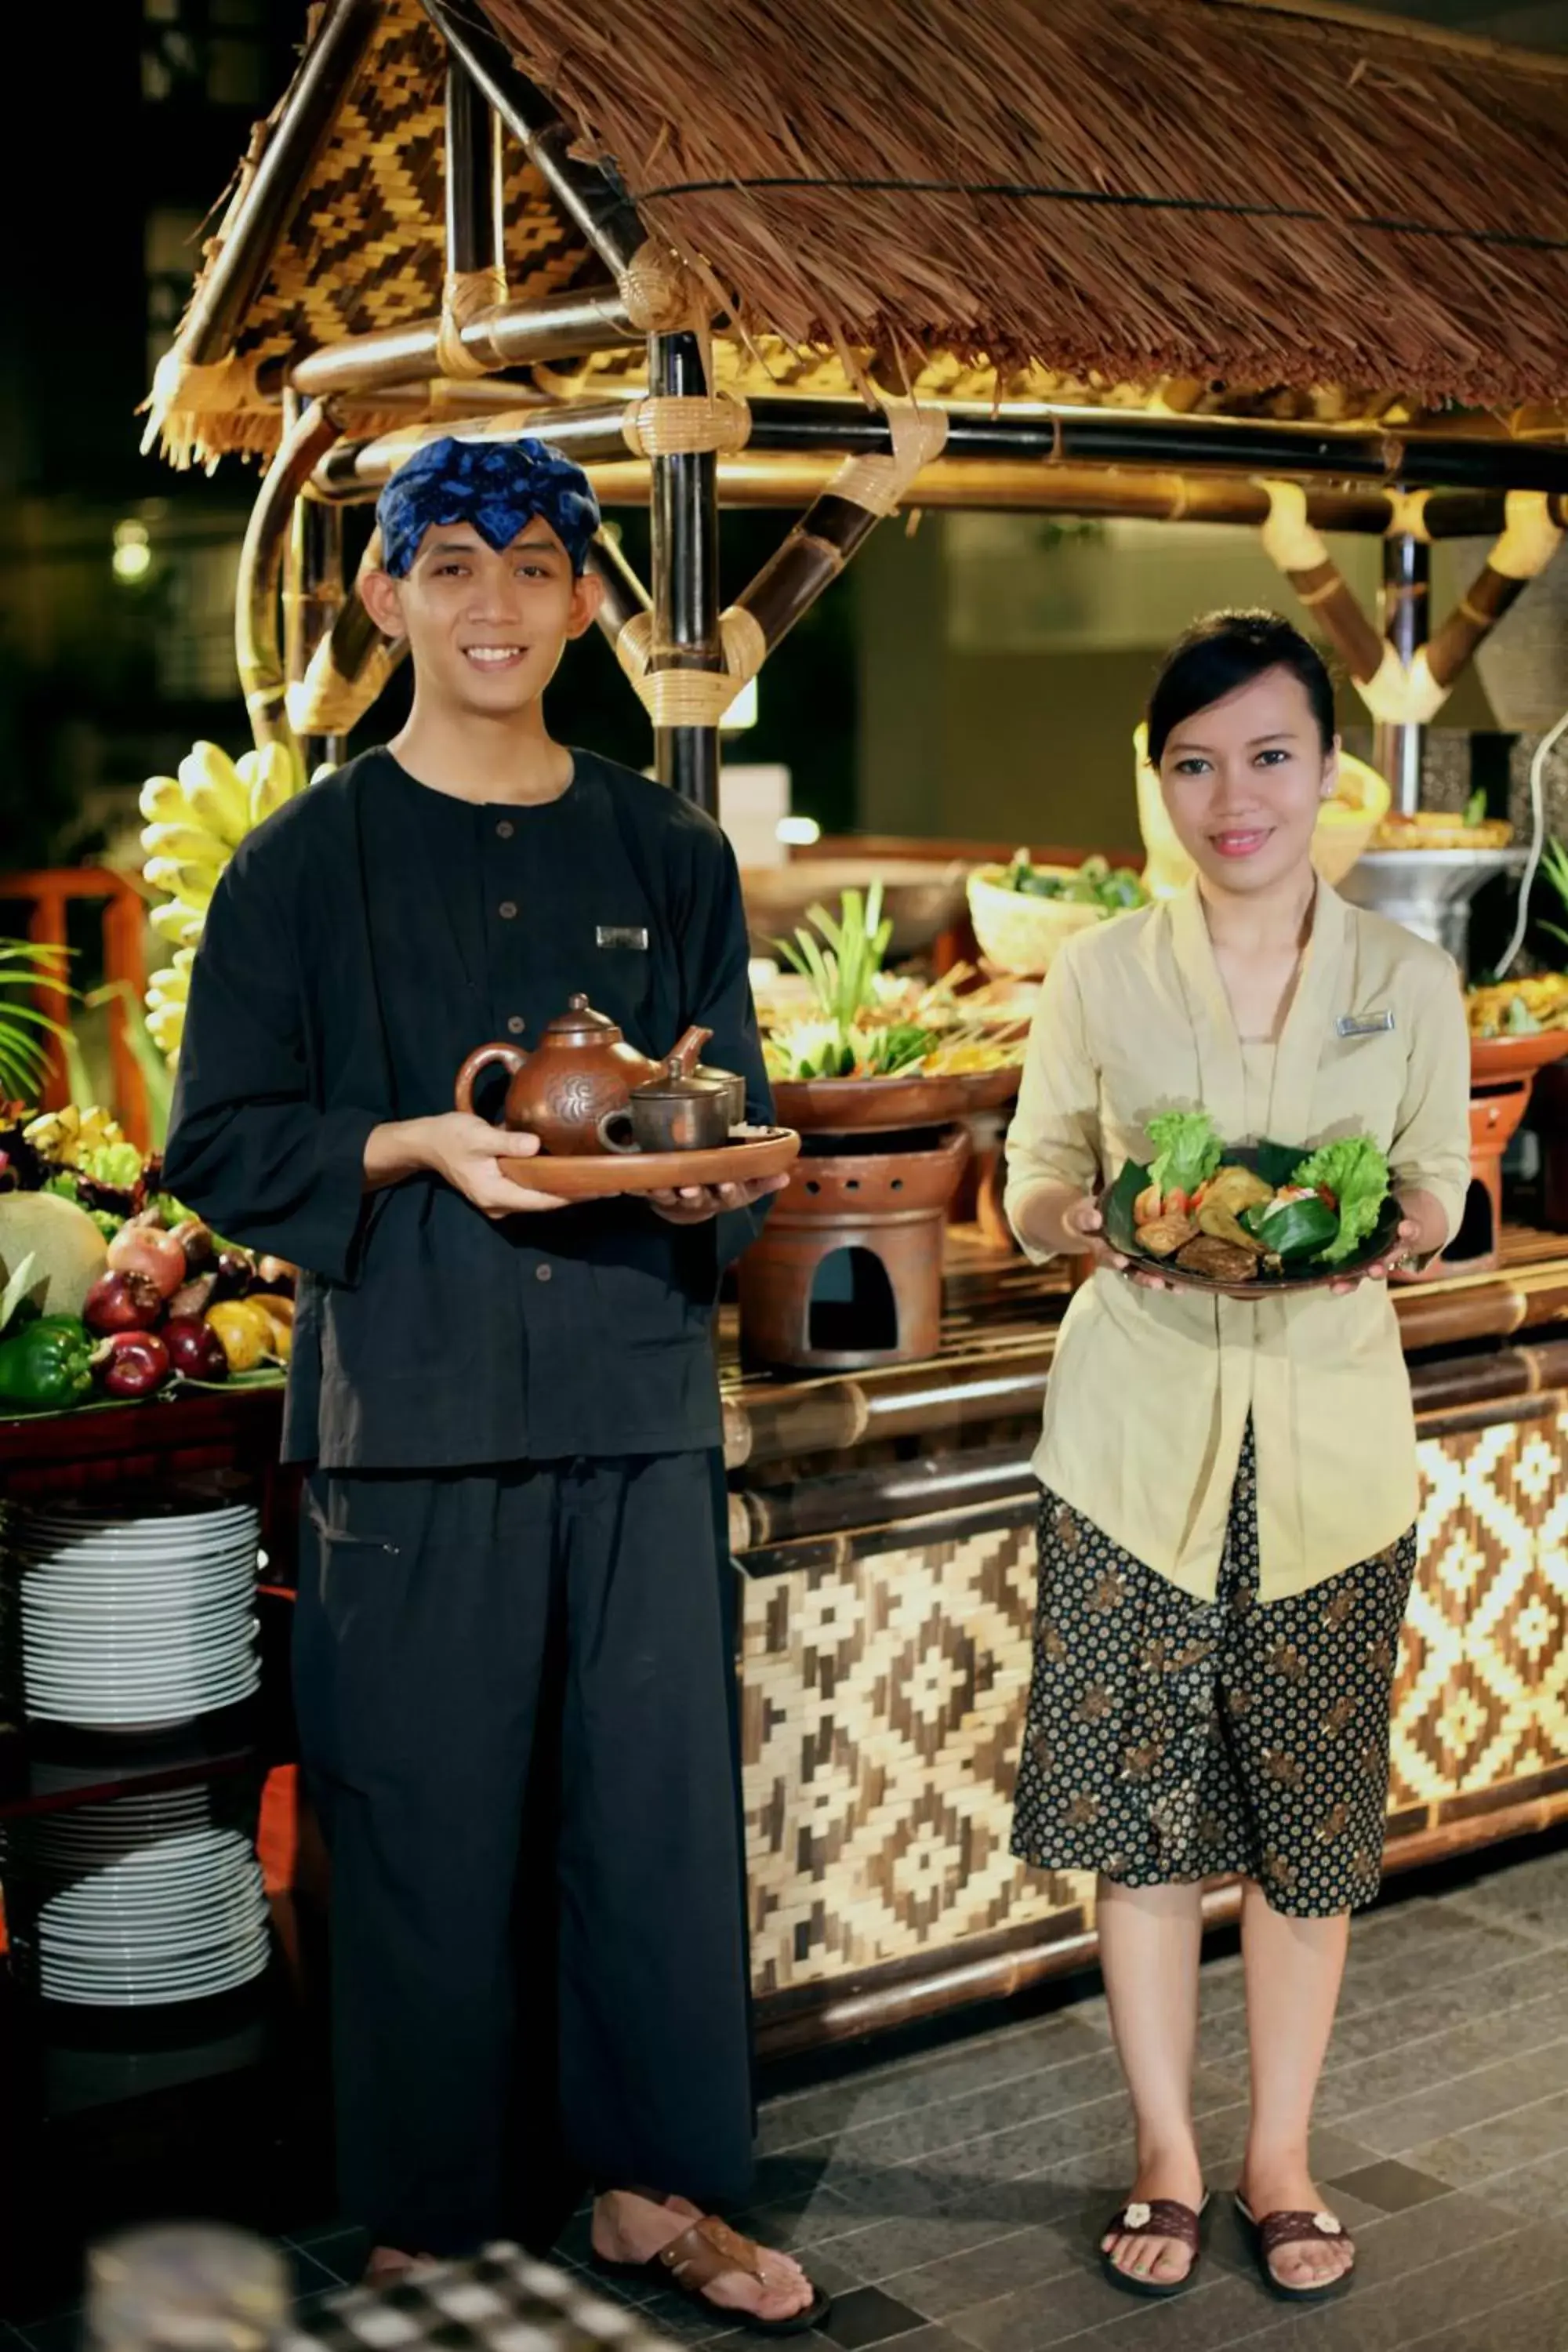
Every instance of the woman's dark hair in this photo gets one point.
(1226, 650)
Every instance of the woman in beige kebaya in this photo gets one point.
(1227, 1529)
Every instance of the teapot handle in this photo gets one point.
(512, 1058)
(681, 1060)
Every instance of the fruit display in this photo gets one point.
(110, 1290)
(1519, 1008)
(196, 821)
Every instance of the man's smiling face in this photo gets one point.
(485, 628)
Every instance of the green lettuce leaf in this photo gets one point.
(1355, 1171)
(1187, 1146)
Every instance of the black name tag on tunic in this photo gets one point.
(622, 935)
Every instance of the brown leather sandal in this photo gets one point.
(1163, 2217)
(706, 2251)
(1276, 2231)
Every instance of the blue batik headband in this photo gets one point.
(498, 485)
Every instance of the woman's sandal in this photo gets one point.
(1163, 2217)
(710, 2250)
(1276, 2231)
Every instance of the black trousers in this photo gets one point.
(514, 1693)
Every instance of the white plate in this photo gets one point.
(91, 1641)
(154, 1691)
(156, 1971)
(86, 1578)
(80, 1909)
(86, 1984)
(85, 1620)
(220, 1911)
(239, 1975)
(88, 1518)
(139, 1715)
(140, 1660)
(135, 1944)
(155, 1684)
(225, 1924)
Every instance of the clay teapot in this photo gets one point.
(581, 1071)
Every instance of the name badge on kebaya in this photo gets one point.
(622, 935)
(1363, 1024)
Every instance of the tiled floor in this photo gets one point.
(951, 2199)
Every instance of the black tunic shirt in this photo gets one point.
(359, 946)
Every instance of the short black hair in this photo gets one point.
(1226, 650)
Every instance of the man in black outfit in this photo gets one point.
(510, 1563)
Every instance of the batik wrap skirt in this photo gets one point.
(1171, 1739)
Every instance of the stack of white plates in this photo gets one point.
(131, 1616)
(147, 1900)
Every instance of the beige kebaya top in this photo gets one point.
(1149, 1391)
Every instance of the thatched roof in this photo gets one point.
(1125, 188)
(1198, 203)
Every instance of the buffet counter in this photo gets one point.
(884, 1522)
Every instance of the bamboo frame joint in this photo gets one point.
(661, 426)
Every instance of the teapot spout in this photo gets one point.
(682, 1059)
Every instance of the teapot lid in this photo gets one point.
(672, 1084)
(580, 1025)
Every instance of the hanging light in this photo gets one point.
(132, 557)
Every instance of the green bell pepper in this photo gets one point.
(1294, 1229)
(47, 1365)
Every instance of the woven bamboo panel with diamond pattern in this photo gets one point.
(884, 1697)
(364, 247)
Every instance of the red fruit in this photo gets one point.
(123, 1302)
(194, 1349)
(141, 1248)
(138, 1364)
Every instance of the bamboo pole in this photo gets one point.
(656, 289)
(1371, 22)
(585, 432)
(512, 334)
(1060, 435)
(1406, 592)
(685, 519)
(625, 596)
(258, 645)
(475, 217)
(207, 332)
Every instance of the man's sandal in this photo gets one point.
(1274, 2231)
(710, 2250)
(1163, 2217)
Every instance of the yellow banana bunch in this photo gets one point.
(215, 794)
(270, 776)
(194, 822)
(166, 992)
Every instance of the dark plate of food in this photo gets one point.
(1255, 1219)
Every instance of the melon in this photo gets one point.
(67, 1251)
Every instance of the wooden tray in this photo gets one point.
(1494, 1058)
(868, 1105)
(1274, 1161)
(589, 1176)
